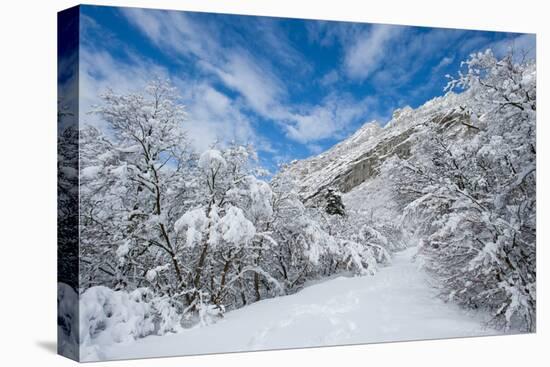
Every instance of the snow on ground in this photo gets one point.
(395, 304)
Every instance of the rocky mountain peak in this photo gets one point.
(359, 157)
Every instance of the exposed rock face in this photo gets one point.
(367, 165)
(359, 157)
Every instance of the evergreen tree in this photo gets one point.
(334, 202)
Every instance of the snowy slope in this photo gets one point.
(357, 158)
(396, 304)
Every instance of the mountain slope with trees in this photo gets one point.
(460, 182)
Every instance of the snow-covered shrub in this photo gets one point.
(114, 316)
(208, 313)
(393, 234)
(314, 244)
(473, 204)
(167, 314)
(378, 243)
(358, 258)
(108, 316)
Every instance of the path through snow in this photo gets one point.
(395, 304)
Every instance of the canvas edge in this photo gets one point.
(68, 41)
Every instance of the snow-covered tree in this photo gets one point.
(314, 243)
(469, 189)
(229, 228)
(135, 180)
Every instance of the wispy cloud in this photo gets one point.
(176, 32)
(253, 77)
(521, 46)
(99, 71)
(277, 44)
(445, 61)
(366, 55)
(213, 117)
(329, 78)
(332, 118)
(261, 89)
(328, 33)
(414, 52)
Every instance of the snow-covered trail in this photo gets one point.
(395, 304)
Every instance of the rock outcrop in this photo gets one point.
(359, 157)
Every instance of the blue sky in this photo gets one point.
(291, 87)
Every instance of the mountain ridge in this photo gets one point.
(358, 158)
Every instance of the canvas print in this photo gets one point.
(234, 183)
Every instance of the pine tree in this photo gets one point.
(334, 205)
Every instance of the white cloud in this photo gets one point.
(521, 45)
(390, 56)
(327, 33)
(329, 78)
(276, 43)
(447, 60)
(175, 32)
(331, 119)
(254, 79)
(99, 71)
(315, 148)
(365, 56)
(213, 117)
(261, 90)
